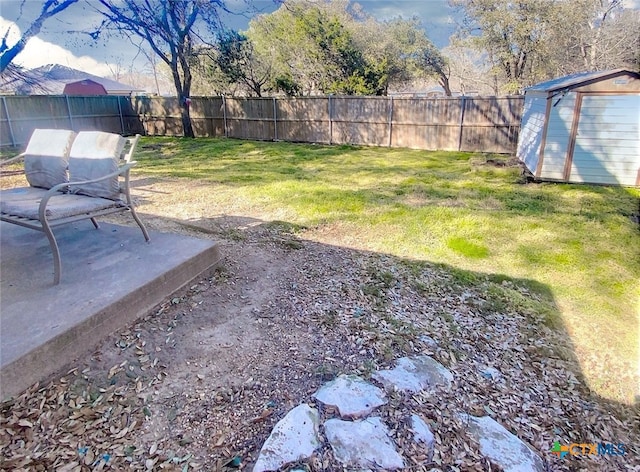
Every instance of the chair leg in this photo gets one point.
(57, 266)
(140, 224)
(95, 223)
(131, 208)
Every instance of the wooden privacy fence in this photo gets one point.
(484, 124)
(20, 115)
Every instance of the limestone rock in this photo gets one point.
(364, 443)
(429, 341)
(352, 395)
(502, 447)
(414, 374)
(294, 438)
(422, 434)
(490, 373)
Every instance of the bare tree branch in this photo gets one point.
(169, 27)
(49, 8)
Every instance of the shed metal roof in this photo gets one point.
(84, 87)
(574, 80)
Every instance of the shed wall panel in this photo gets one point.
(558, 133)
(531, 130)
(627, 131)
(607, 148)
(618, 84)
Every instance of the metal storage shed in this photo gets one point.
(583, 128)
(84, 87)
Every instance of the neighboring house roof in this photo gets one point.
(432, 92)
(52, 79)
(573, 80)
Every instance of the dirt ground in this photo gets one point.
(200, 382)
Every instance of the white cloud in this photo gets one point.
(39, 53)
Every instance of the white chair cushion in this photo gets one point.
(95, 154)
(46, 157)
(61, 205)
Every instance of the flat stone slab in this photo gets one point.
(490, 373)
(363, 443)
(414, 374)
(422, 434)
(501, 446)
(351, 395)
(293, 438)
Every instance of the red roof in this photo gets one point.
(84, 87)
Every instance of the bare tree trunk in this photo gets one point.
(444, 82)
(184, 102)
(186, 119)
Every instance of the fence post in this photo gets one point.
(275, 121)
(6, 113)
(330, 121)
(390, 119)
(121, 118)
(224, 116)
(462, 106)
(69, 112)
(210, 102)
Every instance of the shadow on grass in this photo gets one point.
(439, 206)
(471, 210)
(530, 298)
(378, 307)
(478, 319)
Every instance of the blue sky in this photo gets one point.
(436, 15)
(55, 44)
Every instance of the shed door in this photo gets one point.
(607, 144)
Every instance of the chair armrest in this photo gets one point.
(11, 160)
(133, 143)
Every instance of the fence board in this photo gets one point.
(304, 120)
(301, 109)
(250, 118)
(360, 120)
(435, 111)
(430, 137)
(360, 109)
(304, 131)
(26, 114)
(207, 116)
(490, 124)
(374, 134)
(131, 122)
(160, 116)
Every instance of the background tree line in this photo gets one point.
(333, 46)
(321, 47)
(309, 47)
(529, 41)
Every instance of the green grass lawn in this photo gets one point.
(468, 211)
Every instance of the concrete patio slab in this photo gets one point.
(110, 277)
